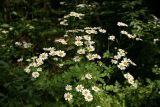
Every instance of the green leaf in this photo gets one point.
(107, 54)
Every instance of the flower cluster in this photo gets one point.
(20, 59)
(24, 44)
(86, 5)
(126, 33)
(6, 30)
(93, 30)
(84, 43)
(38, 61)
(75, 31)
(88, 30)
(86, 40)
(155, 40)
(122, 24)
(64, 21)
(130, 36)
(80, 88)
(74, 14)
(112, 38)
(81, 5)
(87, 95)
(130, 79)
(121, 60)
(62, 41)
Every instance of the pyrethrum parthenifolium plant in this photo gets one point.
(84, 77)
(64, 64)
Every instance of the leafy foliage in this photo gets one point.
(49, 48)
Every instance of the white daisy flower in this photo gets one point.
(122, 24)
(18, 43)
(124, 32)
(26, 45)
(121, 53)
(45, 49)
(128, 76)
(4, 31)
(43, 56)
(131, 36)
(68, 96)
(79, 88)
(11, 28)
(52, 53)
(114, 61)
(139, 39)
(81, 5)
(86, 92)
(130, 81)
(81, 51)
(20, 60)
(64, 22)
(78, 15)
(121, 50)
(61, 53)
(117, 57)
(34, 64)
(112, 38)
(61, 3)
(121, 66)
(62, 41)
(90, 56)
(89, 43)
(97, 56)
(88, 76)
(91, 31)
(88, 97)
(125, 62)
(68, 87)
(78, 38)
(87, 37)
(49, 49)
(102, 30)
(95, 88)
(35, 74)
(90, 48)
(39, 61)
(78, 43)
(27, 69)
